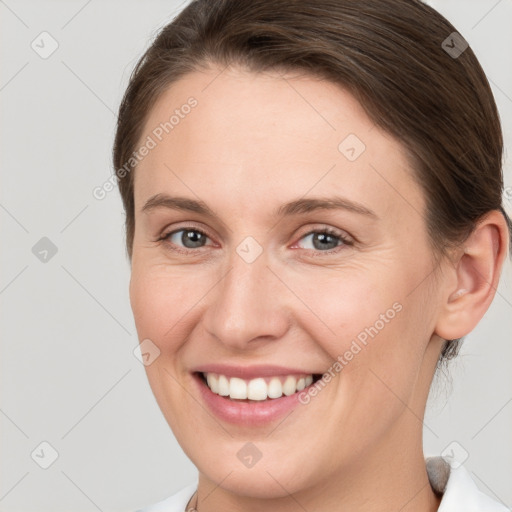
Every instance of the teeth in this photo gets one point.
(223, 385)
(257, 389)
(213, 382)
(290, 385)
(275, 388)
(237, 388)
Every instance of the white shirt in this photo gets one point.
(460, 493)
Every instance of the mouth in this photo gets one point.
(259, 389)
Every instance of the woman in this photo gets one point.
(314, 222)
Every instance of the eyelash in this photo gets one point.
(328, 231)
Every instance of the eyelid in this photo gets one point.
(190, 225)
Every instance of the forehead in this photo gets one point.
(250, 134)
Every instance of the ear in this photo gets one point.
(477, 272)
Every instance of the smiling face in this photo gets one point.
(235, 263)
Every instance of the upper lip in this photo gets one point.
(250, 372)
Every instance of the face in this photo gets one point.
(280, 233)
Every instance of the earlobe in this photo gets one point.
(477, 271)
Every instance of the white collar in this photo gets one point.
(459, 492)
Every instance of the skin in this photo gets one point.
(254, 142)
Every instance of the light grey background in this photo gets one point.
(68, 373)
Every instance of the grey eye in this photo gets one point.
(188, 238)
(319, 240)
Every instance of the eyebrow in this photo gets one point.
(298, 206)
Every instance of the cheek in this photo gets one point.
(161, 297)
(346, 306)
(373, 327)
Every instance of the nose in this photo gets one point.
(248, 305)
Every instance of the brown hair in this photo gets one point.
(399, 58)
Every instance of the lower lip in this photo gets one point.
(246, 413)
